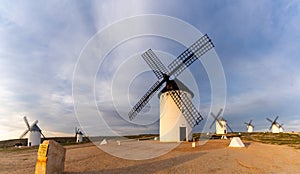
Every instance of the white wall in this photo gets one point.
(171, 119)
(34, 138)
(275, 129)
(250, 129)
(79, 138)
(220, 129)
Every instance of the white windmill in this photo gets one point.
(178, 115)
(249, 126)
(221, 124)
(34, 137)
(78, 135)
(275, 126)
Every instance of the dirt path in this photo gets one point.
(213, 157)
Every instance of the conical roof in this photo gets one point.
(222, 119)
(175, 84)
(35, 128)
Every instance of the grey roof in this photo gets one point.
(35, 128)
(222, 119)
(175, 84)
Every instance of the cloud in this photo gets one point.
(37, 62)
(256, 42)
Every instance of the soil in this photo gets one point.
(213, 157)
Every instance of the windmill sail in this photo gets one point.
(155, 64)
(186, 106)
(216, 118)
(145, 99)
(184, 60)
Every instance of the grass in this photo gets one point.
(290, 139)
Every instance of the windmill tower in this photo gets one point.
(34, 137)
(178, 115)
(249, 126)
(78, 135)
(170, 113)
(221, 124)
(275, 126)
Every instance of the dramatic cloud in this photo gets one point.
(257, 42)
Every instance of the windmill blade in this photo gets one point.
(189, 60)
(186, 58)
(271, 126)
(221, 125)
(23, 134)
(281, 126)
(276, 119)
(215, 119)
(219, 113)
(26, 122)
(34, 123)
(43, 135)
(155, 64)
(186, 107)
(229, 127)
(145, 99)
(188, 52)
(246, 123)
(269, 120)
(250, 122)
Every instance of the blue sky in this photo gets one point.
(257, 42)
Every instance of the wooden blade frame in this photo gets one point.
(186, 107)
(155, 64)
(185, 59)
(145, 99)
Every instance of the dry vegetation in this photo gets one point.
(291, 139)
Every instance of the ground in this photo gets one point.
(213, 157)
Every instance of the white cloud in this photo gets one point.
(42, 41)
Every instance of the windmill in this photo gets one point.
(281, 128)
(249, 126)
(221, 124)
(34, 138)
(177, 113)
(275, 126)
(78, 135)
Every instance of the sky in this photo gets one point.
(41, 44)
